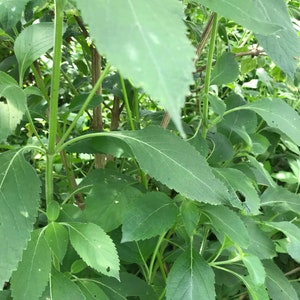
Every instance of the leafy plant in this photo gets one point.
(104, 195)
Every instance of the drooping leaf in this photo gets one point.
(252, 14)
(178, 162)
(95, 247)
(292, 233)
(257, 292)
(190, 278)
(153, 214)
(281, 197)
(238, 182)
(14, 106)
(278, 285)
(278, 114)
(19, 201)
(227, 222)
(57, 238)
(226, 69)
(34, 41)
(32, 275)
(255, 268)
(63, 287)
(11, 12)
(92, 291)
(156, 54)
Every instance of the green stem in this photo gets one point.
(208, 74)
(128, 110)
(53, 105)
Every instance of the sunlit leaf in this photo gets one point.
(19, 201)
(255, 269)
(32, 275)
(190, 278)
(156, 54)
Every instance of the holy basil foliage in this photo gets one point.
(103, 195)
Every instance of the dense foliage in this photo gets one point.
(149, 149)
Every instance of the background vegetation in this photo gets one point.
(149, 149)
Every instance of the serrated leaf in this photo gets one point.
(227, 222)
(63, 287)
(238, 182)
(11, 12)
(154, 43)
(92, 291)
(278, 114)
(57, 238)
(292, 233)
(190, 214)
(153, 214)
(190, 278)
(95, 247)
(226, 69)
(281, 197)
(19, 202)
(255, 268)
(278, 285)
(14, 106)
(34, 41)
(32, 275)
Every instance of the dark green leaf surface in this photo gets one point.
(279, 287)
(95, 247)
(278, 114)
(92, 291)
(19, 200)
(11, 111)
(32, 275)
(156, 54)
(229, 223)
(190, 278)
(153, 214)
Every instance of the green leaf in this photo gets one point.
(255, 268)
(13, 108)
(278, 285)
(226, 69)
(292, 233)
(11, 12)
(281, 197)
(190, 278)
(64, 288)
(92, 291)
(34, 41)
(156, 53)
(190, 214)
(227, 222)
(19, 202)
(253, 14)
(278, 114)
(31, 278)
(153, 214)
(57, 238)
(236, 181)
(95, 247)
(257, 292)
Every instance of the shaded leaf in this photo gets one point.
(153, 214)
(278, 114)
(95, 247)
(257, 292)
(190, 278)
(62, 287)
(278, 285)
(154, 46)
(255, 268)
(226, 69)
(190, 214)
(32, 275)
(57, 238)
(14, 106)
(227, 222)
(92, 291)
(19, 202)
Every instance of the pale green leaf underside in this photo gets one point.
(278, 114)
(147, 42)
(255, 268)
(95, 247)
(19, 201)
(190, 278)
(11, 111)
(32, 275)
